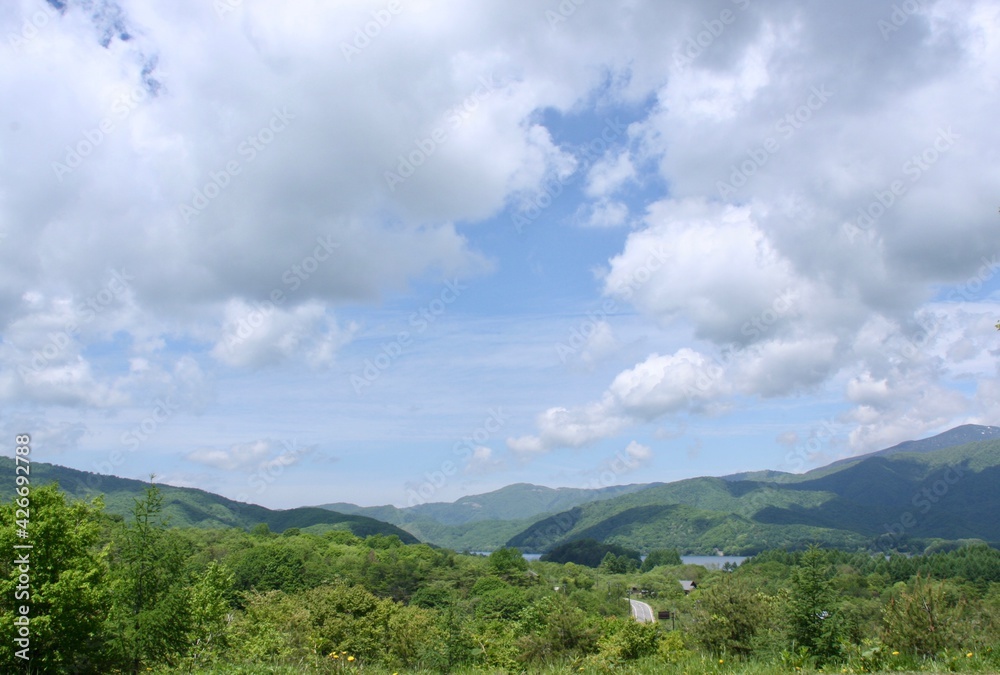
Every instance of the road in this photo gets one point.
(642, 612)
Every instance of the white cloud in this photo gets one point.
(607, 213)
(638, 453)
(656, 387)
(608, 175)
(257, 335)
(748, 174)
(483, 461)
(262, 455)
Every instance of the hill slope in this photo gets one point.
(894, 499)
(484, 522)
(193, 507)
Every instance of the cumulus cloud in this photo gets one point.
(483, 461)
(261, 454)
(653, 388)
(810, 196)
(263, 334)
(608, 175)
(802, 237)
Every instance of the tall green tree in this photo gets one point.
(66, 594)
(149, 617)
(813, 619)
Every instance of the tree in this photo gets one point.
(210, 612)
(618, 564)
(149, 612)
(661, 556)
(729, 614)
(925, 617)
(507, 563)
(66, 596)
(812, 617)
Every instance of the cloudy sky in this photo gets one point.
(407, 250)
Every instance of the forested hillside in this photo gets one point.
(900, 500)
(106, 594)
(185, 507)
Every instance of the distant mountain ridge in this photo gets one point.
(485, 521)
(906, 497)
(960, 435)
(193, 507)
(946, 487)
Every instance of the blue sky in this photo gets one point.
(392, 252)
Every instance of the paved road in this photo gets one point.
(642, 612)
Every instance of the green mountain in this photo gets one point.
(190, 507)
(904, 497)
(484, 522)
(912, 495)
(961, 435)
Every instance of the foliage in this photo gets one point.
(507, 563)
(625, 639)
(813, 618)
(618, 564)
(924, 617)
(588, 552)
(149, 611)
(661, 556)
(66, 596)
(729, 615)
(131, 595)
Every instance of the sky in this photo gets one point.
(403, 251)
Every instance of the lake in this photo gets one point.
(709, 561)
(712, 561)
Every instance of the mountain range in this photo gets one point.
(913, 495)
(191, 507)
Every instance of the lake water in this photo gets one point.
(709, 561)
(712, 561)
